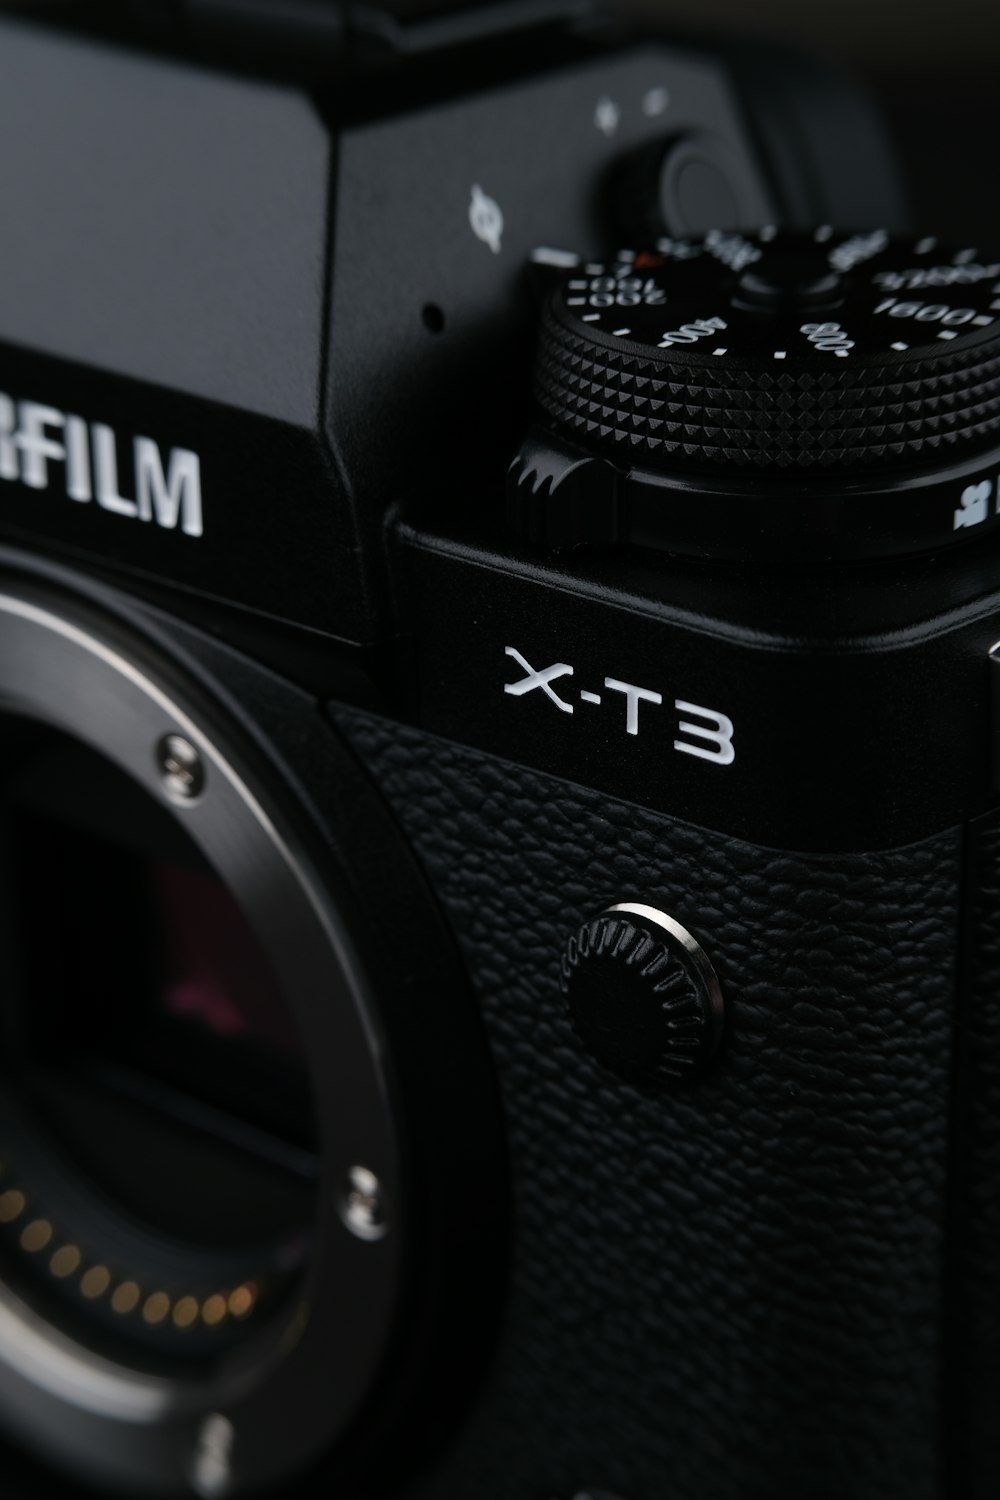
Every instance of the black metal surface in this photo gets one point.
(859, 699)
(244, 270)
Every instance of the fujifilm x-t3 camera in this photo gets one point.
(500, 869)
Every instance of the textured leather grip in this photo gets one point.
(973, 1326)
(731, 1292)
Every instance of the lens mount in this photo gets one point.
(266, 1404)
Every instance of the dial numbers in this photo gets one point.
(617, 290)
(794, 296)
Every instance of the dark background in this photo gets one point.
(934, 66)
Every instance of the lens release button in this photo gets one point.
(644, 998)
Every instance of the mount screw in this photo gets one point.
(181, 768)
(363, 1207)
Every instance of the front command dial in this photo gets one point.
(817, 358)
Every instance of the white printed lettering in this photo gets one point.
(33, 437)
(827, 336)
(9, 466)
(78, 486)
(734, 250)
(35, 445)
(716, 729)
(106, 473)
(633, 697)
(720, 735)
(178, 494)
(541, 679)
(859, 248)
(975, 505)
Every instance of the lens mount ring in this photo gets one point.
(278, 1400)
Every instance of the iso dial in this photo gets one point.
(779, 351)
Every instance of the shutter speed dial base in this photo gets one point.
(816, 396)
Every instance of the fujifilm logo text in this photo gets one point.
(40, 447)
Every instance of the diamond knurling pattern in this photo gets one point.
(851, 416)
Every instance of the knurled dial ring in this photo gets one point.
(777, 351)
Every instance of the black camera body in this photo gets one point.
(265, 356)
